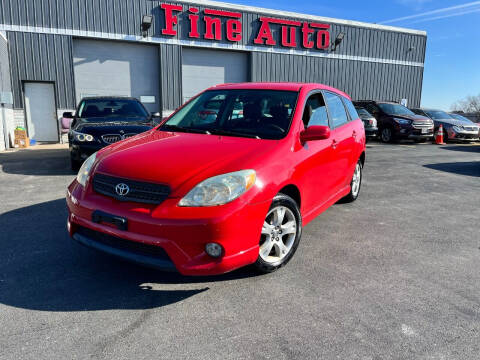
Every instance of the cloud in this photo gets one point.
(443, 13)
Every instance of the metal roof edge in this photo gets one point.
(273, 12)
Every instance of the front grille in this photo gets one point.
(110, 139)
(142, 192)
(422, 125)
(122, 244)
(470, 128)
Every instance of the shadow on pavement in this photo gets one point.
(471, 168)
(36, 162)
(41, 268)
(465, 148)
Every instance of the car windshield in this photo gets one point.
(437, 114)
(264, 114)
(363, 112)
(395, 109)
(460, 117)
(111, 108)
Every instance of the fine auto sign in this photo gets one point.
(313, 34)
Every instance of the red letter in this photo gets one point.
(209, 22)
(285, 41)
(193, 23)
(306, 31)
(234, 30)
(323, 35)
(170, 19)
(264, 33)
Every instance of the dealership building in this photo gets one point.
(54, 52)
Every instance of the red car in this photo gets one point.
(209, 197)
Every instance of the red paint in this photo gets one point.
(170, 18)
(213, 25)
(321, 172)
(306, 32)
(231, 14)
(289, 36)
(193, 33)
(323, 35)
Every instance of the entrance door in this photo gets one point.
(40, 111)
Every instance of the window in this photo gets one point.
(111, 108)
(264, 114)
(315, 112)
(351, 109)
(395, 109)
(338, 116)
(372, 109)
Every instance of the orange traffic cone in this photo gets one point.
(439, 136)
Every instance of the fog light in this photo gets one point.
(214, 250)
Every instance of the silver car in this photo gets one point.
(454, 129)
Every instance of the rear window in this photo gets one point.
(395, 109)
(437, 115)
(363, 112)
(336, 110)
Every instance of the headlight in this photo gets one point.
(85, 169)
(457, 128)
(219, 190)
(83, 137)
(402, 121)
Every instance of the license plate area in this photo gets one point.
(425, 131)
(100, 217)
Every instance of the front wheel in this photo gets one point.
(280, 235)
(355, 184)
(386, 135)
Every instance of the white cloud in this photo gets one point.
(443, 13)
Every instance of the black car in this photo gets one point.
(396, 122)
(101, 121)
(369, 122)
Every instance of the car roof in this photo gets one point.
(434, 110)
(285, 86)
(109, 98)
(377, 102)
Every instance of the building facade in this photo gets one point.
(54, 52)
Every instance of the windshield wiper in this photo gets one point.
(233, 133)
(168, 127)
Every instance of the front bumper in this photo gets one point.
(81, 151)
(371, 131)
(180, 232)
(463, 135)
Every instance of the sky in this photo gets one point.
(452, 63)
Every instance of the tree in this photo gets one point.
(471, 104)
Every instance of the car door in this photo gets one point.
(343, 134)
(316, 166)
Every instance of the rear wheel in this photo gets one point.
(355, 184)
(280, 236)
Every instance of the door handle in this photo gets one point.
(334, 144)
(354, 134)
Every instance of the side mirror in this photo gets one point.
(68, 115)
(315, 132)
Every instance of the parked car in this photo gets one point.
(369, 122)
(101, 121)
(207, 198)
(454, 129)
(396, 122)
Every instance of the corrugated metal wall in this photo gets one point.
(49, 57)
(361, 80)
(42, 57)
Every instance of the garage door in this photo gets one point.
(204, 68)
(111, 68)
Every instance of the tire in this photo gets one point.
(75, 164)
(386, 135)
(277, 246)
(355, 184)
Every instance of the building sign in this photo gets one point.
(309, 35)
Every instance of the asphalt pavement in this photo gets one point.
(395, 275)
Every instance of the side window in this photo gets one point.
(315, 112)
(351, 109)
(338, 116)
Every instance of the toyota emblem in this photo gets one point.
(122, 189)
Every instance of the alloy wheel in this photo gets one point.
(278, 234)
(386, 135)
(357, 177)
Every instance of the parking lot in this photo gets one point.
(392, 276)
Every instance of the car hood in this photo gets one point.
(179, 159)
(102, 126)
(453, 122)
(412, 117)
